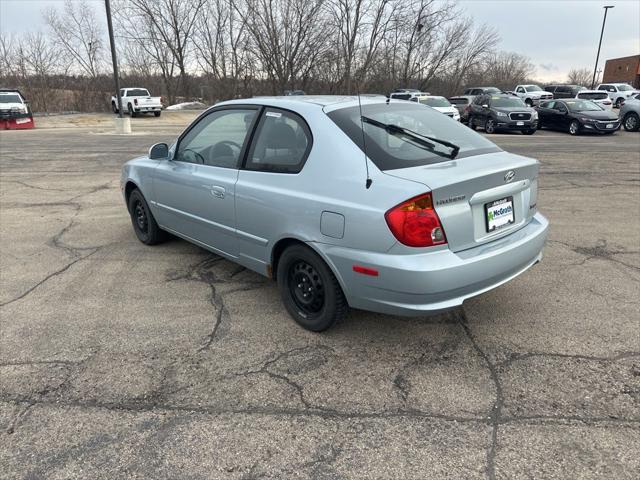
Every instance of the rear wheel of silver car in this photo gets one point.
(309, 290)
(490, 126)
(631, 122)
(145, 226)
(574, 127)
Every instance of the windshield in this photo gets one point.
(532, 88)
(625, 88)
(137, 92)
(583, 106)
(10, 98)
(388, 150)
(435, 101)
(593, 95)
(505, 102)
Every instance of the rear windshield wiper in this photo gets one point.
(415, 137)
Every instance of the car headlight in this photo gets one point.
(534, 115)
(587, 120)
(501, 114)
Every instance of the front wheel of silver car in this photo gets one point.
(310, 292)
(144, 224)
(574, 127)
(631, 122)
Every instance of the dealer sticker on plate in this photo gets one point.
(499, 213)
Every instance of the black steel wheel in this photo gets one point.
(144, 224)
(310, 292)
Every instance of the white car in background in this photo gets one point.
(440, 104)
(596, 96)
(618, 92)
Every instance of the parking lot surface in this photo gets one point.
(119, 360)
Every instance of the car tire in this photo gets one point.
(471, 123)
(574, 127)
(631, 122)
(309, 290)
(490, 126)
(619, 102)
(114, 108)
(131, 112)
(529, 103)
(529, 132)
(144, 224)
(157, 114)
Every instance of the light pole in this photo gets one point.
(606, 8)
(114, 59)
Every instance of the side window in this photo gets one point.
(603, 87)
(122, 92)
(613, 89)
(560, 107)
(563, 89)
(548, 105)
(520, 90)
(217, 139)
(282, 143)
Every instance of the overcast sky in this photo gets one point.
(556, 34)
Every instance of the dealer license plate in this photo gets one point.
(520, 124)
(499, 213)
(609, 125)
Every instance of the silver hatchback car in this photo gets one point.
(431, 215)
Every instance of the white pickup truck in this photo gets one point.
(137, 100)
(532, 94)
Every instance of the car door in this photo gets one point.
(562, 116)
(546, 114)
(194, 192)
(478, 111)
(268, 189)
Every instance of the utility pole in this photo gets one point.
(606, 8)
(114, 58)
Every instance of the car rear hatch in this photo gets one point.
(466, 191)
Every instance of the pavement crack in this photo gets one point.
(18, 417)
(495, 416)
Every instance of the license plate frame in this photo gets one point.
(520, 124)
(489, 205)
(609, 125)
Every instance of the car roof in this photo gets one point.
(309, 102)
(591, 91)
(11, 90)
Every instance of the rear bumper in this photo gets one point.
(439, 280)
(22, 122)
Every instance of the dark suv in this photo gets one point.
(564, 91)
(502, 112)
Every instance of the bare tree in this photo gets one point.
(289, 36)
(167, 26)
(77, 31)
(223, 46)
(579, 76)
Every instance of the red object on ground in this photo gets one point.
(24, 123)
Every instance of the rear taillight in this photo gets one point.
(415, 223)
(135, 101)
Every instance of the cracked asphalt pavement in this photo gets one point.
(119, 360)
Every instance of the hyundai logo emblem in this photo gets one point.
(510, 175)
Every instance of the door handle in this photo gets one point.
(217, 191)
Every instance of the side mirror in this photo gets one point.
(159, 151)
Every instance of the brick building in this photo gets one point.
(625, 69)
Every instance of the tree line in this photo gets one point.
(220, 49)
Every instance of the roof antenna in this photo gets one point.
(364, 143)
